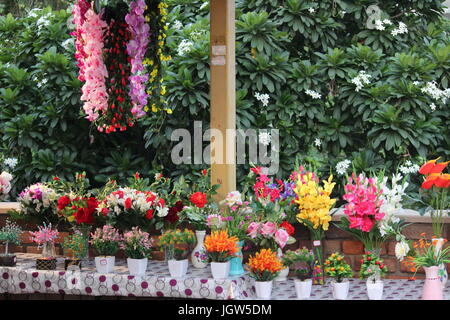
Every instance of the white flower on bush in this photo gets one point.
(433, 107)
(435, 93)
(409, 168)
(381, 24)
(177, 25)
(311, 10)
(5, 183)
(233, 198)
(402, 29)
(401, 250)
(313, 94)
(361, 79)
(264, 138)
(263, 98)
(317, 142)
(43, 21)
(10, 162)
(204, 4)
(342, 166)
(184, 47)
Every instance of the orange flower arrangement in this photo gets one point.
(220, 246)
(265, 265)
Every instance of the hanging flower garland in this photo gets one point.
(120, 68)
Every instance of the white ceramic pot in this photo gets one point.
(303, 288)
(137, 267)
(263, 289)
(178, 268)
(340, 289)
(443, 275)
(199, 258)
(105, 264)
(375, 289)
(220, 270)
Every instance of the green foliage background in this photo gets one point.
(283, 49)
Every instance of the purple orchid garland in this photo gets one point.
(136, 49)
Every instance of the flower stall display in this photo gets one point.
(9, 234)
(434, 195)
(373, 269)
(77, 246)
(38, 203)
(137, 246)
(363, 212)
(106, 241)
(178, 245)
(264, 266)
(119, 50)
(302, 262)
(339, 270)
(126, 207)
(45, 237)
(221, 247)
(314, 204)
(424, 255)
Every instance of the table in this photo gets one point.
(25, 279)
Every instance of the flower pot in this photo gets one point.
(442, 273)
(303, 288)
(220, 270)
(137, 267)
(105, 264)
(236, 268)
(432, 289)
(46, 264)
(8, 260)
(282, 276)
(340, 289)
(178, 268)
(72, 264)
(375, 289)
(199, 258)
(263, 289)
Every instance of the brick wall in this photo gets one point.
(335, 240)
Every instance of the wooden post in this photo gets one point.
(223, 94)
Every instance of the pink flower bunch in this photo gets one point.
(215, 221)
(364, 202)
(136, 48)
(106, 234)
(95, 72)
(136, 243)
(44, 234)
(80, 8)
(264, 188)
(268, 230)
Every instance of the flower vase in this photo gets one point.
(236, 268)
(199, 258)
(443, 275)
(318, 276)
(48, 250)
(432, 289)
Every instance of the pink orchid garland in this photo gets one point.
(364, 202)
(94, 89)
(79, 17)
(137, 48)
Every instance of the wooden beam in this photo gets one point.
(7, 206)
(223, 94)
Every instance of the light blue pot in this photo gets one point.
(236, 268)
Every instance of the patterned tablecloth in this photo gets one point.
(25, 279)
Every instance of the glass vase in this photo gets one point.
(318, 275)
(48, 250)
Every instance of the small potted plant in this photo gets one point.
(106, 242)
(220, 248)
(302, 262)
(137, 246)
(264, 267)
(339, 270)
(45, 237)
(9, 234)
(373, 269)
(78, 247)
(178, 245)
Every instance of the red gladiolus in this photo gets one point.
(198, 199)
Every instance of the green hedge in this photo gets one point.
(284, 48)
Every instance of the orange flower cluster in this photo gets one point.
(220, 241)
(434, 176)
(265, 260)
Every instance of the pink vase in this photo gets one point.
(432, 289)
